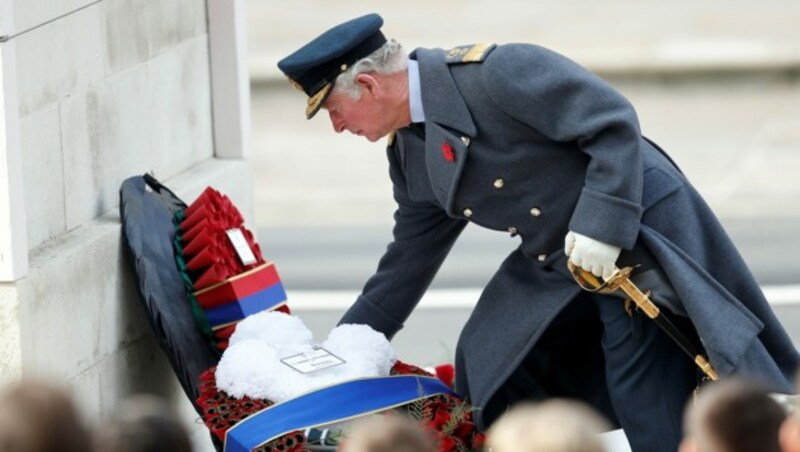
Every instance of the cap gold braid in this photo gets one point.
(315, 102)
(295, 84)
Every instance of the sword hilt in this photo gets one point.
(592, 283)
(620, 280)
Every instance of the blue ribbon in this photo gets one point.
(336, 403)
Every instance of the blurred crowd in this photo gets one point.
(42, 417)
(726, 416)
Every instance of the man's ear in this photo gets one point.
(369, 83)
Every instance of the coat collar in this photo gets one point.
(441, 99)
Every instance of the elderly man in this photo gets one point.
(521, 140)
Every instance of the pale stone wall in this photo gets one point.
(117, 88)
(105, 90)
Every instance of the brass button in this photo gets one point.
(465, 140)
(541, 257)
(536, 212)
(513, 231)
(467, 212)
(499, 183)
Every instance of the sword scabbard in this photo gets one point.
(706, 367)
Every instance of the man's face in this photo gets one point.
(365, 116)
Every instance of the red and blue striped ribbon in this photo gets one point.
(263, 300)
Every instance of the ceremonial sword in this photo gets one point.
(620, 280)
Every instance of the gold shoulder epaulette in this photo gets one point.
(469, 54)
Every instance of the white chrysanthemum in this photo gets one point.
(366, 351)
(276, 329)
(246, 369)
(251, 366)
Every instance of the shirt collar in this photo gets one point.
(414, 92)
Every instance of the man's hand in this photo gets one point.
(591, 255)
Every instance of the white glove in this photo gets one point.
(591, 255)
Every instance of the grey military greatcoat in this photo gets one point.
(524, 141)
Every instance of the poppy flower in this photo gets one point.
(448, 153)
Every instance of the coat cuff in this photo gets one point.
(609, 219)
(365, 312)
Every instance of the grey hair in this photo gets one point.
(388, 59)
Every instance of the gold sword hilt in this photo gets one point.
(620, 280)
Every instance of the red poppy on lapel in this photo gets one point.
(448, 153)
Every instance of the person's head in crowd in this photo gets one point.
(40, 417)
(789, 436)
(388, 433)
(555, 425)
(143, 423)
(732, 416)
